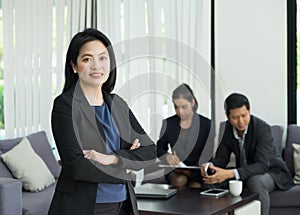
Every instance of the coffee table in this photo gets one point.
(189, 201)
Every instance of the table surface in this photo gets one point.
(189, 201)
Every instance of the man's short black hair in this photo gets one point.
(235, 100)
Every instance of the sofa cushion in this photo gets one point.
(296, 163)
(10, 196)
(7, 144)
(288, 198)
(277, 132)
(293, 136)
(37, 203)
(4, 172)
(26, 165)
(41, 146)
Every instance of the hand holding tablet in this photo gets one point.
(208, 170)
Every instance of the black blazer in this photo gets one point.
(75, 127)
(262, 154)
(198, 136)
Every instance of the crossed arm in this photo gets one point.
(106, 159)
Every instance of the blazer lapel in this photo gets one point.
(120, 113)
(85, 119)
(249, 148)
(193, 133)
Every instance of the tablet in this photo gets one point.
(214, 192)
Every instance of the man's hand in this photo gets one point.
(206, 169)
(172, 159)
(220, 175)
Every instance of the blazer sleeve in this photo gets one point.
(260, 152)
(74, 165)
(141, 157)
(222, 155)
(130, 130)
(162, 143)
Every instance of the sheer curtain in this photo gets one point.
(27, 54)
(159, 45)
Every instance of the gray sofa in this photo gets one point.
(286, 202)
(13, 199)
(282, 202)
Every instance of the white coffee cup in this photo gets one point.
(235, 187)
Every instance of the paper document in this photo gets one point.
(181, 165)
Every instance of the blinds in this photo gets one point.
(27, 55)
(159, 44)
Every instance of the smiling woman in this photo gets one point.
(97, 136)
(92, 67)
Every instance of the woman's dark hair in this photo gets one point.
(235, 100)
(184, 91)
(76, 43)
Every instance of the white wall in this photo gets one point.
(250, 39)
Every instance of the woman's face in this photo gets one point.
(93, 64)
(183, 108)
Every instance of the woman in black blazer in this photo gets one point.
(186, 133)
(96, 134)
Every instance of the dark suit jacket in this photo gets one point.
(75, 128)
(198, 136)
(262, 154)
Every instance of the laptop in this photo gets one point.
(149, 190)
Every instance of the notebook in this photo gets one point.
(149, 190)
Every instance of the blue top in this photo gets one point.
(109, 193)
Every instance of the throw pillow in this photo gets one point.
(296, 163)
(4, 172)
(41, 146)
(28, 166)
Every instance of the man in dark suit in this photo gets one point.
(258, 162)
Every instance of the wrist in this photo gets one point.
(231, 174)
(114, 159)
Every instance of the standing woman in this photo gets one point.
(97, 136)
(186, 133)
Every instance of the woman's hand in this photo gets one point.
(172, 159)
(136, 144)
(99, 157)
(105, 159)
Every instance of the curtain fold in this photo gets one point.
(159, 45)
(27, 66)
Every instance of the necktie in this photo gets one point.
(243, 159)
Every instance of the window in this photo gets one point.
(37, 33)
